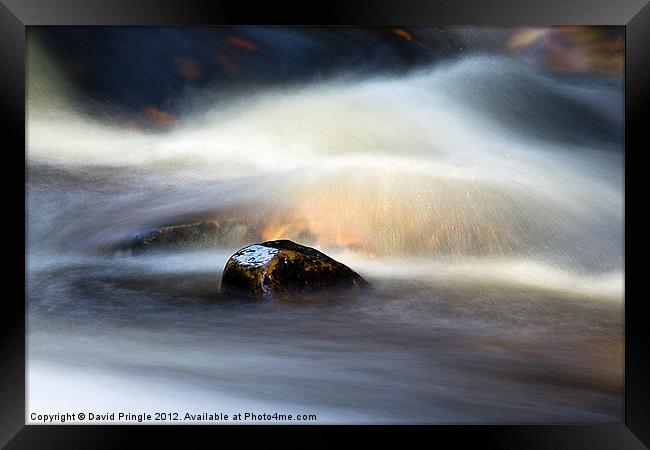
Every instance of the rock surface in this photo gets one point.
(280, 268)
(206, 234)
(173, 237)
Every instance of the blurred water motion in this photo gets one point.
(482, 196)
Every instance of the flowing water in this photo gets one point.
(482, 198)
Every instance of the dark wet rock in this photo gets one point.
(186, 236)
(173, 236)
(281, 268)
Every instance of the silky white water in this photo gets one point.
(482, 198)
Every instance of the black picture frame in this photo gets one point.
(16, 15)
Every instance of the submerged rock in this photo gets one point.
(187, 236)
(173, 236)
(281, 268)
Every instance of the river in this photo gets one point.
(482, 198)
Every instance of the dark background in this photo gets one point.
(143, 72)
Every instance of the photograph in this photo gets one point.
(325, 225)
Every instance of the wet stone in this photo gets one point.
(183, 236)
(282, 269)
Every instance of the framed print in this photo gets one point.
(409, 217)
